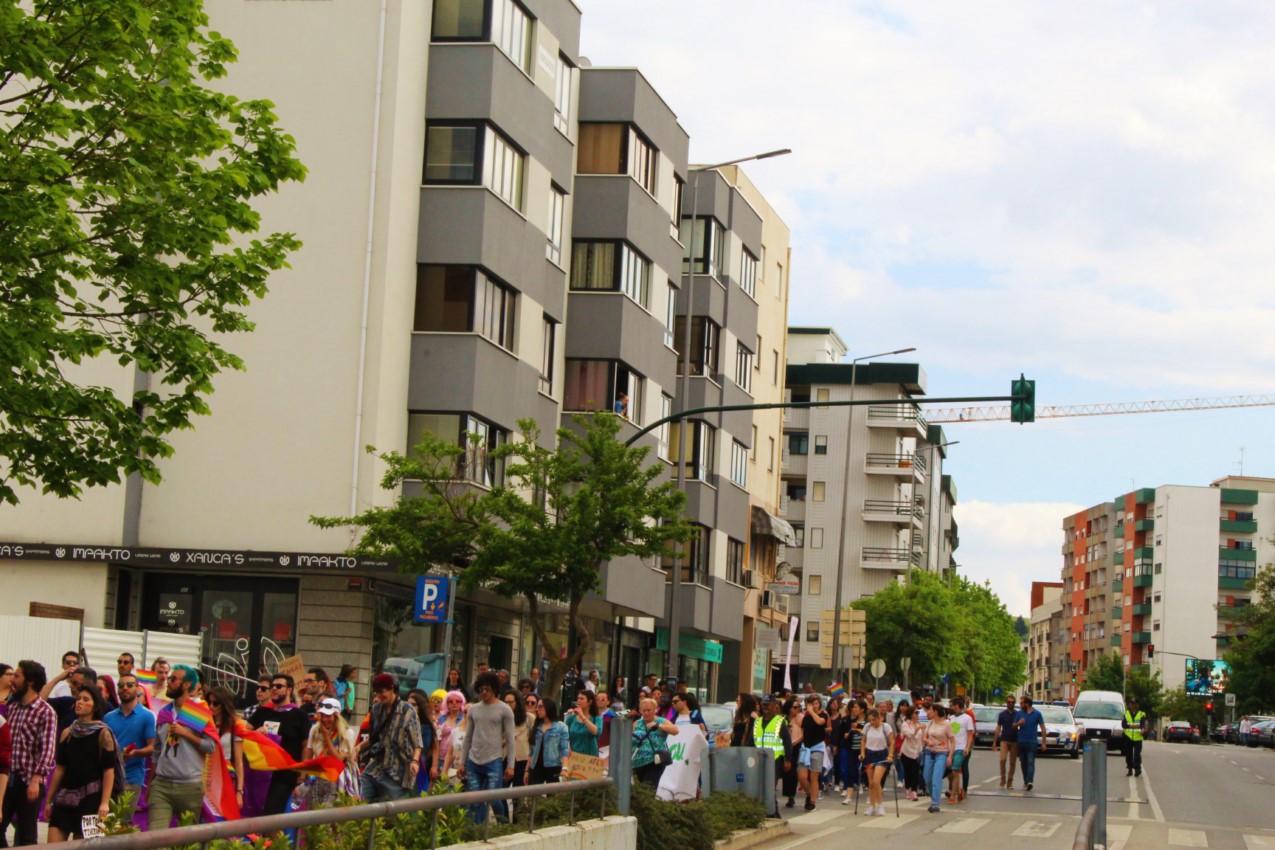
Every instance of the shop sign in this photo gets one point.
(766, 638)
(691, 646)
(431, 599)
(164, 557)
(785, 588)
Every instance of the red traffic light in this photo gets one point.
(1208, 706)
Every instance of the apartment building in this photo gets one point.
(1046, 677)
(1181, 558)
(878, 515)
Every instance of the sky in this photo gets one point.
(1082, 192)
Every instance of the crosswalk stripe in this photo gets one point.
(1118, 832)
(1037, 829)
(964, 825)
(1188, 837)
(1259, 842)
(888, 822)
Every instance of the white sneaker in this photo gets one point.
(881, 810)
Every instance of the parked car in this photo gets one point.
(1224, 734)
(1262, 734)
(1181, 731)
(1102, 715)
(718, 718)
(1063, 732)
(985, 724)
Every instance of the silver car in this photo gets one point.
(1063, 733)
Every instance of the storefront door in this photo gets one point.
(248, 625)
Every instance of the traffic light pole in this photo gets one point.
(1022, 392)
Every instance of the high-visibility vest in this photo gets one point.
(770, 736)
(1133, 725)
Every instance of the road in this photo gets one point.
(1217, 796)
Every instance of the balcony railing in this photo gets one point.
(891, 558)
(903, 509)
(892, 462)
(906, 415)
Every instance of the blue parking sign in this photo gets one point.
(431, 599)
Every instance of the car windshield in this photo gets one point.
(1056, 714)
(986, 715)
(1178, 724)
(1099, 710)
(717, 716)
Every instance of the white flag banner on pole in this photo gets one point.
(792, 634)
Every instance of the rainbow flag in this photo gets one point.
(260, 752)
(146, 677)
(219, 788)
(198, 716)
(836, 690)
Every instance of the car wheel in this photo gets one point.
(1075, 753)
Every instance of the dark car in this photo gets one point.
(1263, 734)
(985, 724)
(1181, 731)
(1224, 734)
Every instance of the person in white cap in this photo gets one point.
(331, 736)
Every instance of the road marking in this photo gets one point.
(807, 838)
(964, 826)
(887, 822)
(1037, 829)
(819, 816)
(1118, 832)
(1259, 778)
(1254, 842)
(1188, 837)
(1155, 804)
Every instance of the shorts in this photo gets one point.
(811, 760)
(872, 757)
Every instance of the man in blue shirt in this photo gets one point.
(134, 727)
(1031, 731)
(1006, 741)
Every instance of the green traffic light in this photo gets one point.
(1023, 406)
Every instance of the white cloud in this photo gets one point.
(1011, 545)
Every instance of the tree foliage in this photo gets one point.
(543, 536)
(1108, 674)
(960, 629)
(1252, 657)
(125, 189)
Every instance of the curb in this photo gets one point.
(752, 837)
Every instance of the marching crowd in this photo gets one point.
(72, 743)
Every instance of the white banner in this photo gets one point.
(680, 780)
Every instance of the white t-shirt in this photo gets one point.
(876, 739)
(963, 726)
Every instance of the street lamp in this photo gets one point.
(929, 507)
(845, 504)
(675, 609)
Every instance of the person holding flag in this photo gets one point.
(178, 785)
(286, 720)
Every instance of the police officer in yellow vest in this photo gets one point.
(1135, 729)
(770, 732)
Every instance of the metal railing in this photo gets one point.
(1086, 831)
(899, 413)
(902, 508)
(204, 833)
(879, 460)
(893, 556)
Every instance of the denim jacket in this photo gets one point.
(555, 743)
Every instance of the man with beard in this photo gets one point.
(179, 766)
(134, 728)
(282, 718)
(33, 728)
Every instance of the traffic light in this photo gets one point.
(1208, 706)
(1151, 650)
(1022, 408)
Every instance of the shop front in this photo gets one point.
(698, 662)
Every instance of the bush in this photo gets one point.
(695, 825)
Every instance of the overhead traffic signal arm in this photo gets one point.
(1023, 406)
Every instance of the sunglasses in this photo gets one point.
(212, 703)
(263, 687)
(282, 686)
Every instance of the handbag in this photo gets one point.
(660, 757)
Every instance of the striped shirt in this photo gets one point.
(35, 740)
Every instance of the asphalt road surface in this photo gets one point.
(1218, 796)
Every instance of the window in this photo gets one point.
(600, 385)
(752, 447)
(779, 281)
(705, 334)
(670, 317)
(821, 444)
(743, 368)
(694, 558)
(705, 243)
(739, 463)
(817, 491)
(547, 355)
(511, 32)
(479, 437)
(812, 632)
(459, 20)
(616, 149)
(562, 95)
(666, 409)
(457, 154)
(770, 457)
(774, 372)
(734, 561)
(557, 211)
(611, 267)
(821, 395)
(816, 538)
(757, 359)
(465, 20)
(748, 274)
(463, 299)
(697, 447)
(798, 443)
(814, 585)
(795, 492)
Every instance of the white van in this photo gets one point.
(1102, 715)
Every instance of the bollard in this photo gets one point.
(620, 762)
(1093, 787)
(768, 780)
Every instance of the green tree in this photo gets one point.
(1252, 652)
(915, 621)
(990, 654)
(125, 190)
(1020, 626)
(543, 536)
(1108, 674)
(1177, 705)
(1105, 674)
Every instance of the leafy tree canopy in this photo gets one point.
(1107, 674)
(125, 190)
(1252, 657)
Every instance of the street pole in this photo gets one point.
(675, 592)
(845, 511)
(447, 632)
(929, 506)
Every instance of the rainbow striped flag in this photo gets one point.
(260, 752)
(146, 677)
(836, 690)
(198, 716)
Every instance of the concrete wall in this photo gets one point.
(75, 585)
(613, 832)
(1186, 529)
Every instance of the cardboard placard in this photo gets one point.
(579, 766)
(292, 666)
(91, 826)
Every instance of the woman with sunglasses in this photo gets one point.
(549, 746)
(221, 702)
(451, 733)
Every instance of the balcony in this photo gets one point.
(1143, 551)
(1229, 612)
(900, 512)
(795, 465)
(1117, 585)
(1115, 640)
(1116, 612)
(900, 417)
(1241, 526)
(1118, 530)
(1144, 525)
(796, 418)
(1142, 581)
(1141, 637)
(1142, 609)
(793, 510)
(1233, 583)
(903, 465)
(889, 559)
(1237, 554)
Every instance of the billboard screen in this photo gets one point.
(1206, 678)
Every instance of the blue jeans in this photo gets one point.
(1027, 754)
(485, 777)
(380, 788)
(935, 767)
